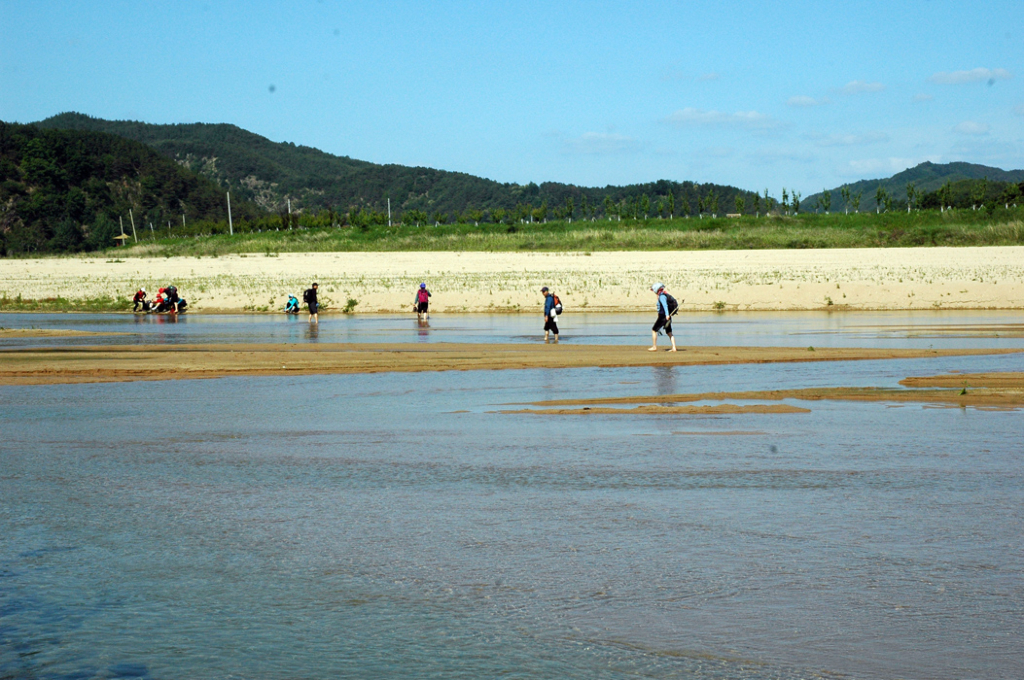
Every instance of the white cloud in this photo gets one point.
(848, 139)
(804, 101)
(880, 167)
(860, 87)
(772, 156)
(973, 76)
(918, 98)
(600, 143)
(969, 127)
(691, 117)
(710, 76)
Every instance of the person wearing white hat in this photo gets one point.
(665, 312)
(140, 299)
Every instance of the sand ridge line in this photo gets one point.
(1009, 393)
(173, 362)
(999, 380)
(51, 333)
(717, 409)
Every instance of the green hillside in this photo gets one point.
(64, 190)
(270, 173)
(927, 178)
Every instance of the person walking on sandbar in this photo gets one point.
(309, 297)
(550, 316)
(667, 306)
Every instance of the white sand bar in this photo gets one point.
(867, 278)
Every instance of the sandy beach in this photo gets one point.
(779, 280)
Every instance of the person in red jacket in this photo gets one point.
(422, 302)
(140, 300)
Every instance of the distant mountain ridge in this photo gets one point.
(926, 177)
(271, 173)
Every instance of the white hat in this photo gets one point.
(658, 286)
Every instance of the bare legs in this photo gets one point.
(654, 342)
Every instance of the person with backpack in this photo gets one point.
(422, 302)
(667, 307)
(309, 297)
(552, 305)
(172, 299)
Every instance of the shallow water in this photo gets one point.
(776, 329)
(395, 525)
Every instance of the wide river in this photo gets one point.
(398, 525)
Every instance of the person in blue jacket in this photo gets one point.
(664, 319)
(550, 318)
(293, 305)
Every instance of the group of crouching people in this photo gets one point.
(167, 301)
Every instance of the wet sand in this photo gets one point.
(777, 280)
(1006, 330)
(987, 390)
(1008, 380)
(161, 362)
(47, 333)
(718, 409)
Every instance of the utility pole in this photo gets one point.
(152, 233)
(289, 206)
(389, 211)
(121, 220)
(182, 220)
(132, 217)
(231, 226)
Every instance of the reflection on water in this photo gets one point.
(395, 525)
(793, 329)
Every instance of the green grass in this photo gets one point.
(865, 230)
(59, 304)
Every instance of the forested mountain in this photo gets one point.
(269, 173)
(65, 190)
(965, 180)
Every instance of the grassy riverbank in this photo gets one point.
(19, 303)
(865, 230)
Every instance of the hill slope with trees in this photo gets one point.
(967, 184)
(65, 190)
(272, 173)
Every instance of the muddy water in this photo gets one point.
(397, 526)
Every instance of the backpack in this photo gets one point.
(558, 305)
(673, 306)
(305, 294)
(423, 295)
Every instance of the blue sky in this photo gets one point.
(804, 95)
